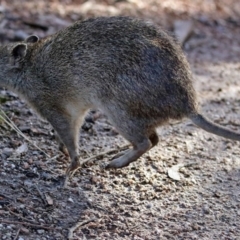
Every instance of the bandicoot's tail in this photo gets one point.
(211, 127)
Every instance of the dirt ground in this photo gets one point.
(141, 201)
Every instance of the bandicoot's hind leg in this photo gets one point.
(154, 141)
(138, 135)
(139, 148)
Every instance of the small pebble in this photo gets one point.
(25, 165)
(149, 205)
(70, 200)
(7, 151)
(40, 231)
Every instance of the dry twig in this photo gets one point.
(36, 225)
(19, 216)
(41, 195)
(95, 158)
(111, 151)
(11, 124)
(17, 234)
(78, 225)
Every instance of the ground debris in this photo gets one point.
(141, 201)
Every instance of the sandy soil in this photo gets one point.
(140, 201)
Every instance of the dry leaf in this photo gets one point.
(189, 146)
(49, 199)
(23, 148)
(173, 172)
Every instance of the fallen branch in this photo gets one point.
(19, 216)
(52, 158)
(11, 124)
(95, 158)
(17, 234)
(78, 225)
(111, 151)
(36, 225)
(41, 195)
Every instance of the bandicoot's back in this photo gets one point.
(130, 69)
(126, 61)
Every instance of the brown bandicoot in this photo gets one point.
(131, 70)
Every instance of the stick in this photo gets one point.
(94, 158)
(40, 194)
(77, 225)
(16, 237)
(19, 216)
(18, 231)
(36, 225)
(10, 123)
(52, 158)
(104, 153)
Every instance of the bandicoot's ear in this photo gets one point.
(32, 39)
(19, 51)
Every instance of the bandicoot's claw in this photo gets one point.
(114, 163)
(70, 172)
(117, 163)
(73, 167)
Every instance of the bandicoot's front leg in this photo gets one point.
(67, 128)
(61, 145)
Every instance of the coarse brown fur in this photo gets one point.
(131, 70)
